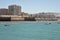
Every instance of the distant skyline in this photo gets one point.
(33, 6)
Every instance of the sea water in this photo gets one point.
(29, 31)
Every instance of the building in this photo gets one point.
(23, 14)
(3, 11)
(14, 10)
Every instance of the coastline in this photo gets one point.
(2, 22)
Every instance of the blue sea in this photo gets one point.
(30, 30)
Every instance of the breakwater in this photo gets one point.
(20, 18)
(16, 18)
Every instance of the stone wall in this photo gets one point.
(5, 19)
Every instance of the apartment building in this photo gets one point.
(14, 9)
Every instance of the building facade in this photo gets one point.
(14, 10)
(3, 11)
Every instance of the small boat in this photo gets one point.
(47, 23)
(6, 25)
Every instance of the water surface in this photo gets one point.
(29, 31)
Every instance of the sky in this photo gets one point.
(33, 6)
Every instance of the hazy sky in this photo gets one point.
(33, 6)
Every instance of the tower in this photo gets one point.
(14, 10)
